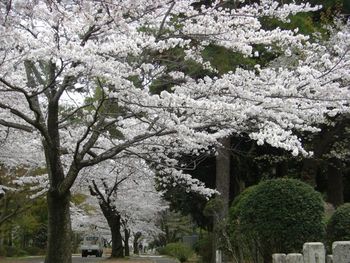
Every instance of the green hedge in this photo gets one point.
(177, 250)
(11, 251)
(276, 216)
(338, 227)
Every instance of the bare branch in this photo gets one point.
(164, 19)
(95, 191)
(74, 112)
(121, 147)
(18, 114)
(117, 183)
(16, 126)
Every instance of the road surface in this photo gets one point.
(75, 259)
(79, 259)
(159, 259)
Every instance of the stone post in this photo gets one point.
(329, 259)
(218, 256)
(294, 258)
(279, 258)
(341, 251)
(314, 252)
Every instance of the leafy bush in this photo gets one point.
(2, 251)
(338, 227)
(203, 247)
(276, 216)
(177, 250)
(35, 251)
(14, 251)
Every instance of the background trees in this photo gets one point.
(126, 195)
(80, 81)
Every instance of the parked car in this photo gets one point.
(92, 245)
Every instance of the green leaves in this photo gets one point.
(338, 227)
(277, 216)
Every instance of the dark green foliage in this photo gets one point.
(225, 60)
(338, 227)
(204, 247)
(277, 216)
(35, 251)
(177, 250)
(12, 251)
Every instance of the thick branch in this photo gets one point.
(121, 147)
(18, 114)
(116, 184)
(97, 192)
(16, 126)
(78, 156)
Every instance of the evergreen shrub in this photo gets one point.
(338, 227)
(276, 216)
(177, 250)
(12, 251)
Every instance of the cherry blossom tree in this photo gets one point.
(75, 86)
(126, 195)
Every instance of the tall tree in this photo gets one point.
(53, 54)
(127, 197)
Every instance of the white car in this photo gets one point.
(92, 245)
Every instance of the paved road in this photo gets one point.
(79, 259)
(75, 259)
(160, 259)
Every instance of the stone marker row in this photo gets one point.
(314, 252)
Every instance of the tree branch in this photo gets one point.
(164, 19)
(121, 147)
(16, 126)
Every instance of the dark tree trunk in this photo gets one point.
(223, 174)
(117, 244)
(59, 229)
(59, 246)
(267, 258)
(335, 187)
(223, 186)
(309, 171)
(113, 219)
(114, 223)
(126, 242)
(136, 242)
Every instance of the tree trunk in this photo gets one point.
(335, 188)
(117, 244)
(267, 258)
(223, 174)
(126, 242)
(113, 219)
(114, 223)
(309, 171)
(136, 242)
(223, 186)
(59, 229)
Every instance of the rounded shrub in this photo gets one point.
(338, 227)
(178, 250)
(277, 216)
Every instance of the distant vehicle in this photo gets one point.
(92, 245)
